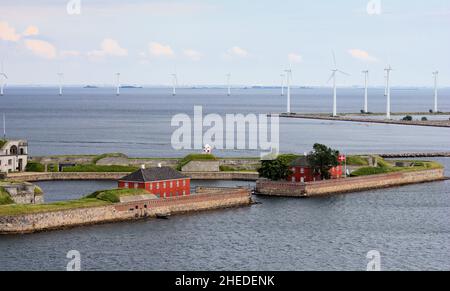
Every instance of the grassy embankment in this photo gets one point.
(96, 199)
(385, 167)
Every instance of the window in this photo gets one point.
(126, 185)
(165, 194)
(302, 170)
(184, 193)
(9, 162)
(171, 184)
(164, 185)
(151, 186)
(303, 180)
(178, 183)
(293, 170)
(293, 179)
(136, 185)
(157, 186)
(184, 182)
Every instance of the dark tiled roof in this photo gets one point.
(154, 174)
(300, 162)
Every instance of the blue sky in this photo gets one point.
(203, 40)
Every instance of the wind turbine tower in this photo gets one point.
(229, 84)
(118, 84)
(333, 77)
(60, 79)
(4, 79)
(282, 83)
(175, 84)
(436, 75)
(366, 91)
(288, 83)
(388, 91)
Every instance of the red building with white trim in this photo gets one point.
(302, 172)
(163, 182)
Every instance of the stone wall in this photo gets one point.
(23, 193)
(329, 187)
(65, 176)
(232, 176)
(202, 166)
(123, 211)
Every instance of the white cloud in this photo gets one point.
(8, 32)
(160, 50)
(41, 48)
(362, 55)
(70, 53)
(31, 31)
(238, 52)
(295, 58)
(192, 54)
(109, 48)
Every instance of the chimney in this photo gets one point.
(143, 167)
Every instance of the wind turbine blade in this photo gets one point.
(344, 73)
(334, 59)
(331, 77)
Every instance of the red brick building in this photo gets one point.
(303, 172)
(163, 182)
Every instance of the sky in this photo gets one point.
(204, 40)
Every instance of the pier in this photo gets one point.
(366, 118)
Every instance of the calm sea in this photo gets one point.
(92, 121)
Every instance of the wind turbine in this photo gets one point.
(175, 84)
(282, 83)
(229, 84)
(288, 83)
(436, 74)
(4, 79)
(118, 84)
(366, 90)
(333, 77)
(388, 91)
(60, 77)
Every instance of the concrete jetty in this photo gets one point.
(361, 118)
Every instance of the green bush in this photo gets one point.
(369, 171)
(100, 169)
(194, 157)
(407, 118)
(35, 167)
(5, 199)
(114, 195)
(424, 119)
(357, 161)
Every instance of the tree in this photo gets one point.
(322, 159)
(277, 169)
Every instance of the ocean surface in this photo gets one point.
(408, 225)
(138, 123)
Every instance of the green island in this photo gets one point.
(96, 199)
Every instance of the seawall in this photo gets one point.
(330, 187)
(35, 222)
(69, 176)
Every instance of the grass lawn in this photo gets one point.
(114, 195)
(100, 169)
(385, 167)
(16, 209)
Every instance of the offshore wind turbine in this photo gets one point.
(4, 79)
(175, 84)
(282, 83)
(288, 85)
(436, 75)
(229, 84)
(118, 84)
(334, 71)
(60, 80)
(388, 91)
(366, 90)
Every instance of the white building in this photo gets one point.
(13, 155)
